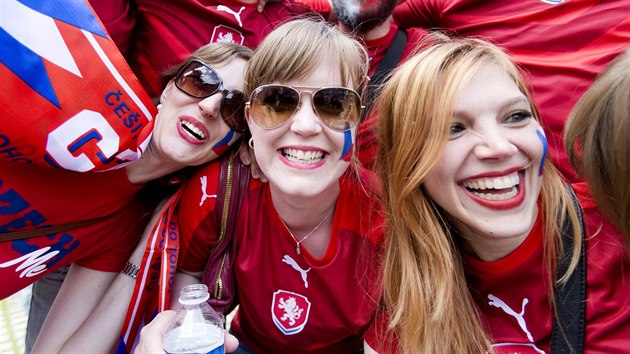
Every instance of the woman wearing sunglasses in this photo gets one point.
(200, 115)
(308, 241)
(485, 238)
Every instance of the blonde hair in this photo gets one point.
(293, 49)
(597, 141)
(425, 290)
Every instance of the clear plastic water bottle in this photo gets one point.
(196, 328)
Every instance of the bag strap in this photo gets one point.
(233, 185)
(389, 62)
(567, 335)
(22, 234)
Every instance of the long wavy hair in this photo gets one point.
(425, 292)
(597, 141)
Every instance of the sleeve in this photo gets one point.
(608, 286)
(197, 218)
(119, 18)
(108, 244)
(413, 13)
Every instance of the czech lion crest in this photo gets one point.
(290, 311)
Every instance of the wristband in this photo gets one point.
(131, 270)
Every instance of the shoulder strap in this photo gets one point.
(233, 185)
(570, 297)
(22, 234)
(389, 62)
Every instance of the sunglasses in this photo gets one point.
(198, 80)
(338, 107)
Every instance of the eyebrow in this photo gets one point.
(506, 105)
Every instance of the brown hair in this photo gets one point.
(212, 53)
(597, 141)
(425, 290)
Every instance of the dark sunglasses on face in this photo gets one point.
(272, 105)
(198, 80)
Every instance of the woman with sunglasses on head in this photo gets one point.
(485, 238)
(200, 115)
(308, 241)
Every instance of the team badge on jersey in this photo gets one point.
(290, 311)
(225, 34)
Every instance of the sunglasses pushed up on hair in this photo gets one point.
(272, 105)
(198, 80)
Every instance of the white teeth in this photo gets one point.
(303, 157)
(191, 128)
(501, 196)
(503, 182)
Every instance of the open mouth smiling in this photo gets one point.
(193, 130)
(495, 188)
(303, 157)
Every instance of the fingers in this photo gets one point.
(151, 334)
(231, 343)
(261, 5)
(256, 171)
(245, 154)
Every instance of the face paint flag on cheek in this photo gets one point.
(346, 154)
(224, 144)
(543, 139)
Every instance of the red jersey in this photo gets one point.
(511, 293)
(292, 303)
(561, 44)
(367, 146)
(166, 32)
(33, 197)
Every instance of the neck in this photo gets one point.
(301, 214)
(149, 167)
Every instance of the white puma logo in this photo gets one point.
(204, 196)
(496, 302)
(290, 261)
(237, 15)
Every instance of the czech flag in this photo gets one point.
(68, 98)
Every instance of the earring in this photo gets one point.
(159, 106)
(251, 143)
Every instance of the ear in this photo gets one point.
(167, 90)
(247, 116)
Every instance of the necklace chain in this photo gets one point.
(297, 243)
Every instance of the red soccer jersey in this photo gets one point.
(166, 32)
(292, 303)
(32, 197)
(561, 44)
(511, 293)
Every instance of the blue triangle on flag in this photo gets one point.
(73, 12)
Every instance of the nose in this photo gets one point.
(494, 143)
(210, 106)
(304, 121)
